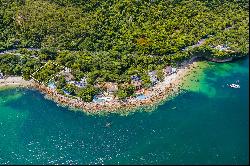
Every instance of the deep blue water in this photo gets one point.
(205, 126)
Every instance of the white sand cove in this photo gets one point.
(14, 81)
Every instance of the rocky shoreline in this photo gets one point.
(163, 90)
(108, 106)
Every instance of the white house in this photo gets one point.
(67, 70)
(174, 70)
(136, 81)
(82, 83)
(168, 70)
(153, 77)
(222, 47)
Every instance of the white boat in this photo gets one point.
(234, 86)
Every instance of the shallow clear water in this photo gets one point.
(208, 124)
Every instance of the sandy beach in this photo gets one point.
(15, 82)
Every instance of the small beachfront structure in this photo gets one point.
(153, 77)
(136, 81)
(137, 84)
(222, 47)
(68, 77)
(52, 85)
(67, 74)
(80, 84)
(108, 94)
(174, 70)
(66, 92)
(111, 87)
(168, 70)
(135, 78)
(67, 70)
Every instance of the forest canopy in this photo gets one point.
(154, 27)
(112, 40)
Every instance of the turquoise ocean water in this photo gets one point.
(208, 124)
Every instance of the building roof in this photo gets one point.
(152, 75)
(222, 47)
(168, 69)
(51, 85)
(79, 84)
(66, 92)
(174, 69)
(84, 80)
(136, 83)
(111, 86)
(68, 76)
(135, 78)
(66, 69)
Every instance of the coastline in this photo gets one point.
(160, 92)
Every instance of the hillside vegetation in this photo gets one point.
(112, 40)
(146, 27)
